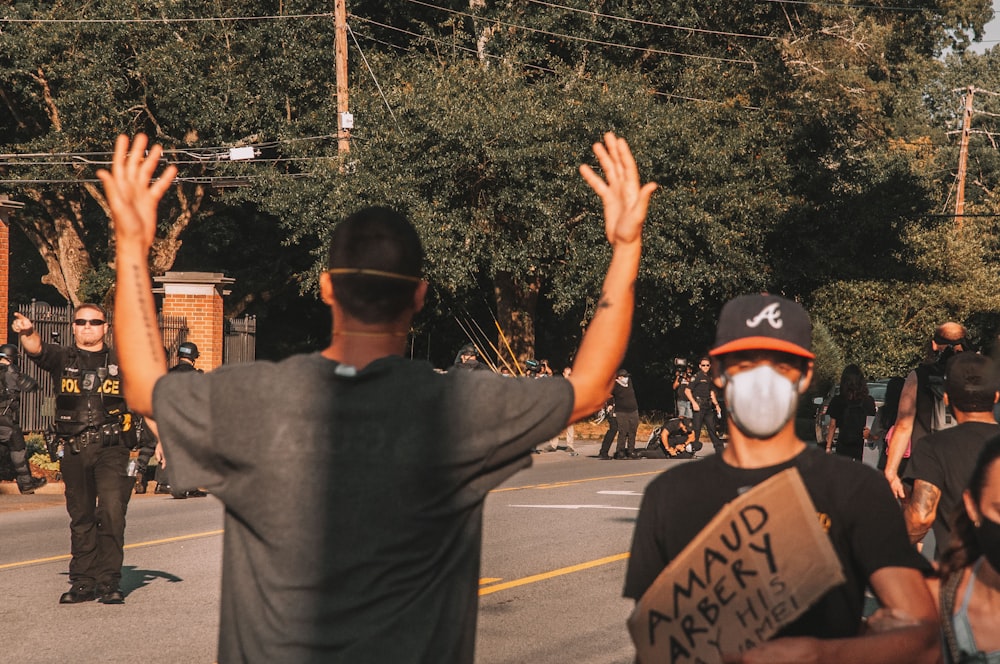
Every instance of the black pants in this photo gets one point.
(97, 494)
(628, 424)
(706, 415)
(610, 435)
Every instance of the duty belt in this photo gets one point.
(106, 436)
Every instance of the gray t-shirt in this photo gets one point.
(353, 502)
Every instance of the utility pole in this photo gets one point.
(345, 121)
(963, 156)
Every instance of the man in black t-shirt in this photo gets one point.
(941, 464)
(764, 362)
(702, 397)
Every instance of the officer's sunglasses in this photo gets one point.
(93, 322)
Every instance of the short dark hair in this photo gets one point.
(971, 382)
(90, 305)
(383, 240)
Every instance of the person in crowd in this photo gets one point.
(885, 420)
(763, 359)
(942, 463)
(673, 440)
(682, 378)
(374, 556)
(468, 360)
(920, 405)
(968, 591)
(570, 432)
(627, 414)
(706, 408)
(849, 411)
(13, 382)
(91, 419)
(609, 435)
(187, 357)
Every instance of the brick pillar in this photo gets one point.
(197, 296)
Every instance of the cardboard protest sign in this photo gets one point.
(756, 567)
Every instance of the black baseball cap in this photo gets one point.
(763, 322)
(970, 371)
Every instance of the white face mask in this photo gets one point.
(761, 401)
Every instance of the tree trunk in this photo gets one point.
(517, 301)
(59, 236)
(59, 241)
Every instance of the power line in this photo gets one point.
(164, 20)
(651, 23)
(587, 40)
(849, 6)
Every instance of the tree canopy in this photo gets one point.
(803, 149)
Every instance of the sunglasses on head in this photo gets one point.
(93, 322)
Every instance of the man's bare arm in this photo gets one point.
(133, 198)
(914, 640)
(829, 434)
(921, 510)
(626, 201)
(901, 434)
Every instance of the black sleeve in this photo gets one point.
(51, 359)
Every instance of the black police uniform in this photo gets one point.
(12, 383)
(91, 416)
(701, 390)
(162, 474)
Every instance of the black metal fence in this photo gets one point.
(54, 326)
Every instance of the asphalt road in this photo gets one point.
(555, 541)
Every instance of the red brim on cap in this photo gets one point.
(761, 343)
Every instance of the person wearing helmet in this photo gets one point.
(12, 384)
(187, 354)
(467, 359)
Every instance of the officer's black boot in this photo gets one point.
(25, 482)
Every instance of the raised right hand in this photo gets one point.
(22, 324)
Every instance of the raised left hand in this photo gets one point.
(132, 194)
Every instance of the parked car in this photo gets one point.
(876, 388)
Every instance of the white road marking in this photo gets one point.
(620, 493)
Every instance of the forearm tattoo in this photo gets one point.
(142, 295)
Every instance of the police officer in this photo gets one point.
(12, 383)
(705, 404)
(187, 355)
(90, 418)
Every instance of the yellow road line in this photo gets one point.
(166, 540)
(535, 578)
(487, 580)
(556, 485)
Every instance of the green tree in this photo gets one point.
(198, 87)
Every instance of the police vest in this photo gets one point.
(89, 392)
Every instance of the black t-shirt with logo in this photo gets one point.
(852, 500)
